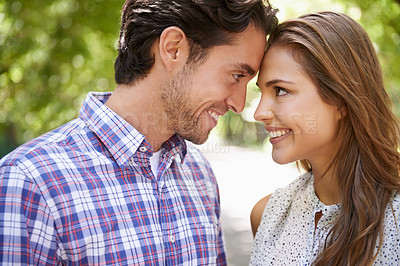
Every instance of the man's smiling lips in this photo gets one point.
(214, 115)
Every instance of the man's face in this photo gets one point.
(199, 94)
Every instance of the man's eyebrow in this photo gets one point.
(245, 68)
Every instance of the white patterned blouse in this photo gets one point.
(286, 234)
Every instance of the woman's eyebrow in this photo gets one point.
(274, 81)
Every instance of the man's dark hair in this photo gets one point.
(206, 23)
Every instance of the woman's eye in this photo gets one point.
(237, 77)
(280, 91)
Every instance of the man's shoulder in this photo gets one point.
(47, 146)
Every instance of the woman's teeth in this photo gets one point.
(278, 133)
(214, 115)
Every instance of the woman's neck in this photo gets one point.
(326, 187)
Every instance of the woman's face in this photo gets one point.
(300, 124)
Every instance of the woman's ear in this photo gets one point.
(173, 47)
(342, 112)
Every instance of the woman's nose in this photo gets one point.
(264, 112)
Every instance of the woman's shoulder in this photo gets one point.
(257, 213)
(396, 199)
(293, 188)
(393, 207)
(285, 194)
(391, 225)
(389, 252)
(278, 198)
(392, 214)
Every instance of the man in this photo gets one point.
(119, 185)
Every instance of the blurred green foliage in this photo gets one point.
(381, 20)
(53, 52)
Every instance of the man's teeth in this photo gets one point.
(214, 115)
(278, 133)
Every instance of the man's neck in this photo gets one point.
(141, 108)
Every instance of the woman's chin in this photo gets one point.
(279, 159)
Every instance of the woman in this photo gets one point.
(324, 104)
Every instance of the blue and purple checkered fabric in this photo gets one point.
(84, 194)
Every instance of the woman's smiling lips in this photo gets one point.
(277, 134)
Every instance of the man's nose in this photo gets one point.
(237, 100)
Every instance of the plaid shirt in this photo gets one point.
(84, 194)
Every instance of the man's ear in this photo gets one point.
(173, 47)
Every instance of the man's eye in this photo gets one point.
(237, 77)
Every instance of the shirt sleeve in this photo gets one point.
(27, 231)
(221, 259)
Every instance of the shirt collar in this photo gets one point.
(118, 136)
(175, 145)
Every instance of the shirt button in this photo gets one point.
(143, 149)
(172, 239)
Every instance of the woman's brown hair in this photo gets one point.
(338, 55)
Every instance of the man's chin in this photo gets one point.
(196, 138)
